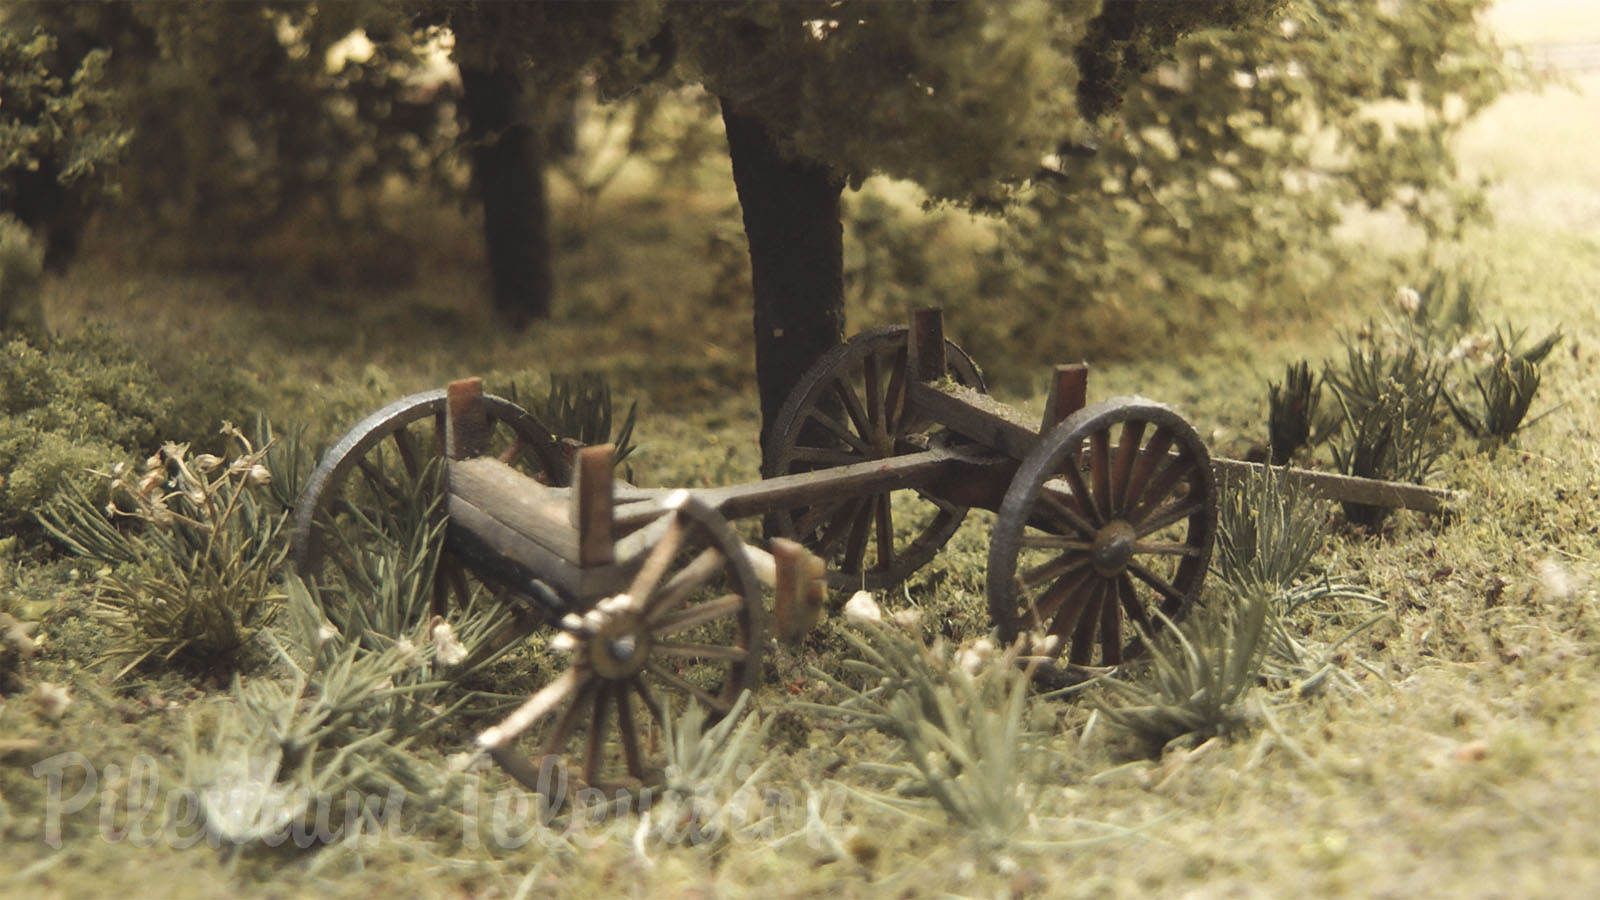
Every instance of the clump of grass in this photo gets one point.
(1268, 531)
(1506, 385)
(580, 408)
(1198, 677)
(191, 551)
(343, 722)
(1292, 412)
(964, 746)
(1389, 405)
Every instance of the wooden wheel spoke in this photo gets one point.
(691, 650)
(873, 391)
(839, 525)
(1161, 585)
(842, 432)
(677, 681)
(1153, 455)
(514, 450)
(894, 397)
(648, 699)
(885, 521)
(535, 708)
(855, 547)
(684, 582)
(406, 447)
(698, 614)
(1080, 492)
(1122, 469)
(1165, 548)
(1161, 486)
(594, 746)
(814, 516)
(852, 407)
(628, 732)
(1062, 565)
(1053, 504)
(1034, 540)
(1047, 611)
(655, 565)
(561, 732)
(1086, 632)
(379, 482)
(1110, 629)
(1100, 472)
(1168, 516)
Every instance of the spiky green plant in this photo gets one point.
(192, 552)
(1389, 403)
(580, 407)
(964, 743)
(1268, 531)
(1506, 386)
(1198, 676)
(1292, 412)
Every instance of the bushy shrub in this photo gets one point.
(89, 400)
(21, 262)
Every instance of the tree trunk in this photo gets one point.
(508, 169)
(791, 219)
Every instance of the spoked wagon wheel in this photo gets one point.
(1111, 516)
(850, 407)
(371, 475)
(687, 629)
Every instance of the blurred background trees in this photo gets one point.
(1128, 166)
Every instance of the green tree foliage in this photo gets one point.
(59, 134)
(246, 114)
(1214, 187)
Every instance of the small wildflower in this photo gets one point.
(407, 650)
(326, 633)
(206, 462)
(861, 609)
(52, 700)
(446, 648)
(909, 619)
(258, 474)
(972, 659)
(1408, 300)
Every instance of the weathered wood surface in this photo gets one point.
(1351, 489)
(981, 418)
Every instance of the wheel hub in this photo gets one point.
(612, 638)
(1113, 547)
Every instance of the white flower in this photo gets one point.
(52, 699)
(407, 651)
(205, 462)
(973, 658)
(861, 609)
(258, 474)
(1408, 300)
(908, 619)
(446, 648)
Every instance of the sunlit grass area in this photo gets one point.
(1454, 754)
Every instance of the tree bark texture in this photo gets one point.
(791, 220)
(508, 169)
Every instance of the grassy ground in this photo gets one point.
(1462, 767)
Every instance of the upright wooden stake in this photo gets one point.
(1069, 391)
(467, 429)
(592, 511)
(926, 355)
